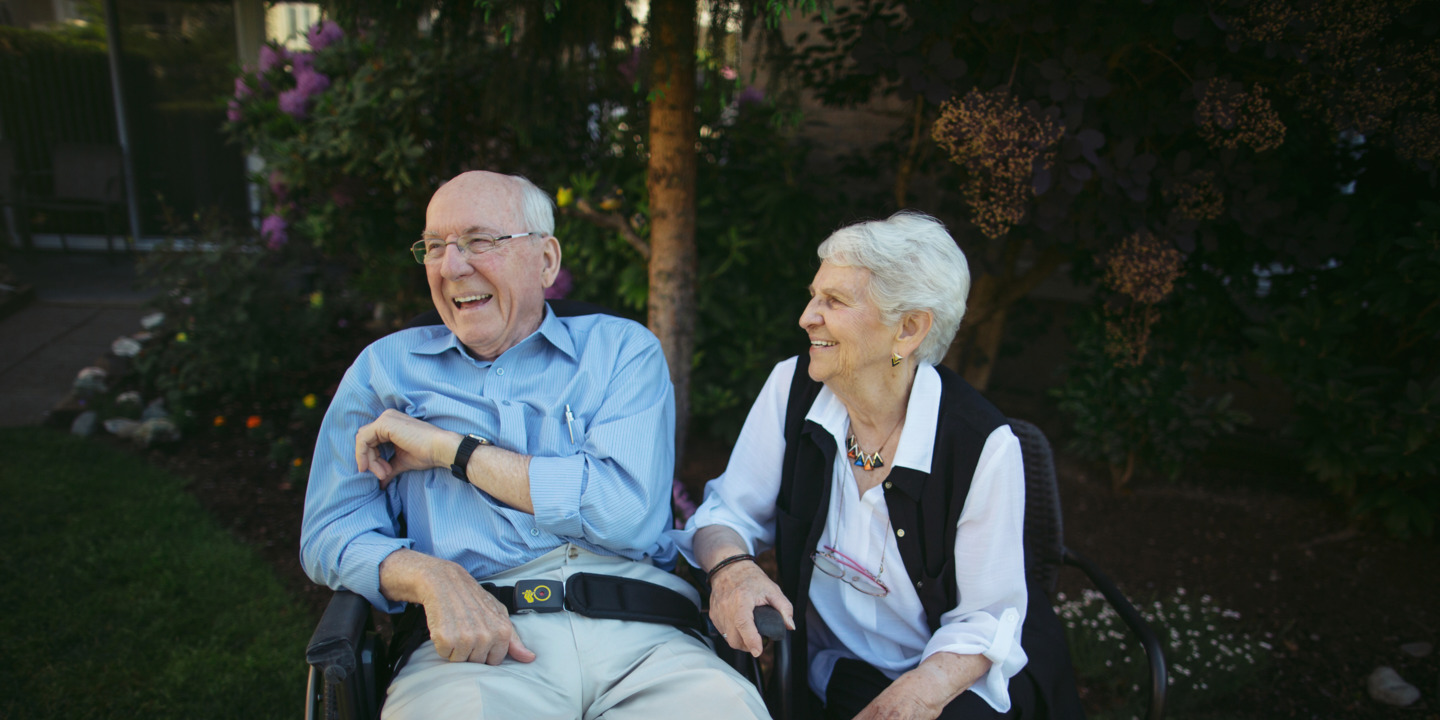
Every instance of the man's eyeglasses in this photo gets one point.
(433, 249)
(836, 564)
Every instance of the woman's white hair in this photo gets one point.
(914, 265)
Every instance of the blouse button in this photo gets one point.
(887, 484)
(900, 532)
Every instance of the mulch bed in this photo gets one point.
(1338, 602)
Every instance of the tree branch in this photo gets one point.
(612, 221)
(1049, 261)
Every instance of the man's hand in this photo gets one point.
(468, 624)
(418, 446)
(735, 592)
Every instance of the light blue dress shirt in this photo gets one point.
(607, 490)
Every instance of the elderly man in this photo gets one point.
(531, 457)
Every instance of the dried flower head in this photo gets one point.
(1196, 197)
(1000, 142)
(1229, 117)
(1142, 271)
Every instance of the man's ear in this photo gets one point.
(550, 254)
(914, 326)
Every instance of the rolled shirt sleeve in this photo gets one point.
(349, 526)
(990, 571)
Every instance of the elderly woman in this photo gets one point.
(893, 494)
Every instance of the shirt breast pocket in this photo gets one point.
(558, 435)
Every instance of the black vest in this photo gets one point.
(926, 507)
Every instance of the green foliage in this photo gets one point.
(1359, 347)
(128, 600)
(761, 214)
(1148, 414)
(246, 331)
(1210, 657)
(350, 167)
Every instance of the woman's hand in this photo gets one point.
(923, 693)
(735, 592)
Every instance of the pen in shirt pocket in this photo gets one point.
(570, 423)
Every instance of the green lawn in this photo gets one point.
(123, 599)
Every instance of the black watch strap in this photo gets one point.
(462, 456)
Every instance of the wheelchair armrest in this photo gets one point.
(343, 655)
(771, 625)
(333, 646)
(1131, 617)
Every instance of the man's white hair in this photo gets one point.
(537, 208)
(914, 265)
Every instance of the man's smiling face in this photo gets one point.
(494, 300)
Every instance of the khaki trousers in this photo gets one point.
(584, 668)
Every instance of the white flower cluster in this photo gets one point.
(1206, 655)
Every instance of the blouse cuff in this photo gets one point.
(1003, 649)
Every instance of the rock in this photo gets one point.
(90, 381)
(156, 409)
(121, 427)
(1417, 649)
(153, 320)
(84, 424)
(129, 397)
(155, 431)
(1386, 686)
(125, 347)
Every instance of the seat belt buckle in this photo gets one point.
(539, 596)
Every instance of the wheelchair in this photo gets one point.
(347, 656)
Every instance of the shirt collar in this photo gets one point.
(438, 338)
(917, 438)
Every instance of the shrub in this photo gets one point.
(247, 333)
(1359, 348)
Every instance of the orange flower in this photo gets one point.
(252, 422)
(297, 462)
(219, 421)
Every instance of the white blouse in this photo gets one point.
(890, 633)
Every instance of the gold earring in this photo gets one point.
(895, 359)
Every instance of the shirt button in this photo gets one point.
(499, 371)
(887, 484)
(919, 584)
(534, 531)
(900, 532)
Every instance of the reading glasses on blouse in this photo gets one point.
(431, 250)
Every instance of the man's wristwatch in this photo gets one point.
(462, 456)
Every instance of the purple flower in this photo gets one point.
(301, 62)
(232, 112)
(684, 506)
(324, 34)
(273, 232)
(751, 94)
(311, 83)
(561, 288)
(277, 186)
(630, 68)
(242, 90)
(293, 102)
(272, 57)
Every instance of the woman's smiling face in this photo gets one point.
(848, 339)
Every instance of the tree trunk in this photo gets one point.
(977, 346)
(671, 183)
